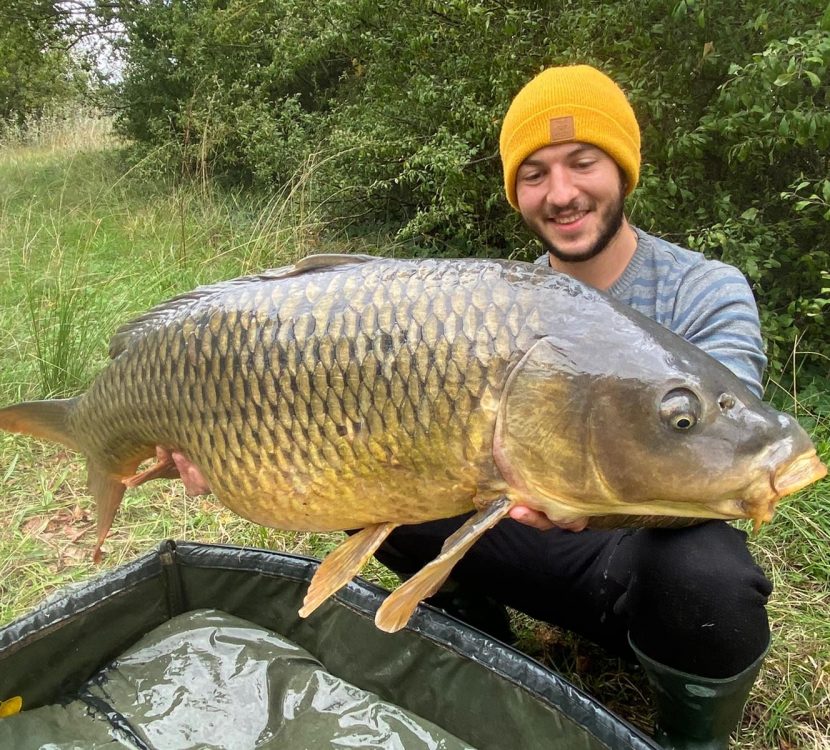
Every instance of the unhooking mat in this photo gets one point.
(207, 679)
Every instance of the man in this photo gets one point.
(689, 603)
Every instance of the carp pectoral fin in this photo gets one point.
(107, 491)
(343, 564)
(398, 607)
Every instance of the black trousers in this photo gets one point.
(691, 598)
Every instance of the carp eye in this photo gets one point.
(680, 409)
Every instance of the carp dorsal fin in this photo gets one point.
(172, 307)
(329, 260)
(398, 607)
(343, 564)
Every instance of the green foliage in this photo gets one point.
(384, 116)
(37, 71)
(63, 331)
(765, 141)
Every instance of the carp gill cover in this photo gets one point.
(353, 392)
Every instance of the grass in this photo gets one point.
(86, 243)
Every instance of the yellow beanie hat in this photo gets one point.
(576, 103)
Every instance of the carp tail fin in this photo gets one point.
(343, 564)
(398, 607)
(48, 420)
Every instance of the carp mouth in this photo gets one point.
(797, 474)
(782, 480)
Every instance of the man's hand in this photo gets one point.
(539, 520)
(194, 482)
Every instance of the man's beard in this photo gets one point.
(611, 223)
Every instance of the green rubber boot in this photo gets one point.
(693, 712)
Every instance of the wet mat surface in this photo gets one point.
(207, 679)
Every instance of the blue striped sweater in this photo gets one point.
(705, 301)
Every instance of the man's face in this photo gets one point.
(571, 196)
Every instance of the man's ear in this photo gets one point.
(623, 180)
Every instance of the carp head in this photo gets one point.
(631, 419)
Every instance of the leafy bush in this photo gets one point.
(764, 143)
(38, 72)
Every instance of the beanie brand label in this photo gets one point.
(561, 129)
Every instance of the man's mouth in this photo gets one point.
(568, 219)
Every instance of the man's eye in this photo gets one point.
(530, 176)
(585, 163)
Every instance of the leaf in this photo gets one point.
(11, 706)
(11, 468)
(814, 79)
(679, 10)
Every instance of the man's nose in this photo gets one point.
(561, 189)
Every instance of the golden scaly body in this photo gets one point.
(327, 401)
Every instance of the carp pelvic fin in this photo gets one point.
(161, 469)
(343, 564)
(398, 607)
(48, 420)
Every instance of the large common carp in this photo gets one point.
(350, 392)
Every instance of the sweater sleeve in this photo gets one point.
(716, 311)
